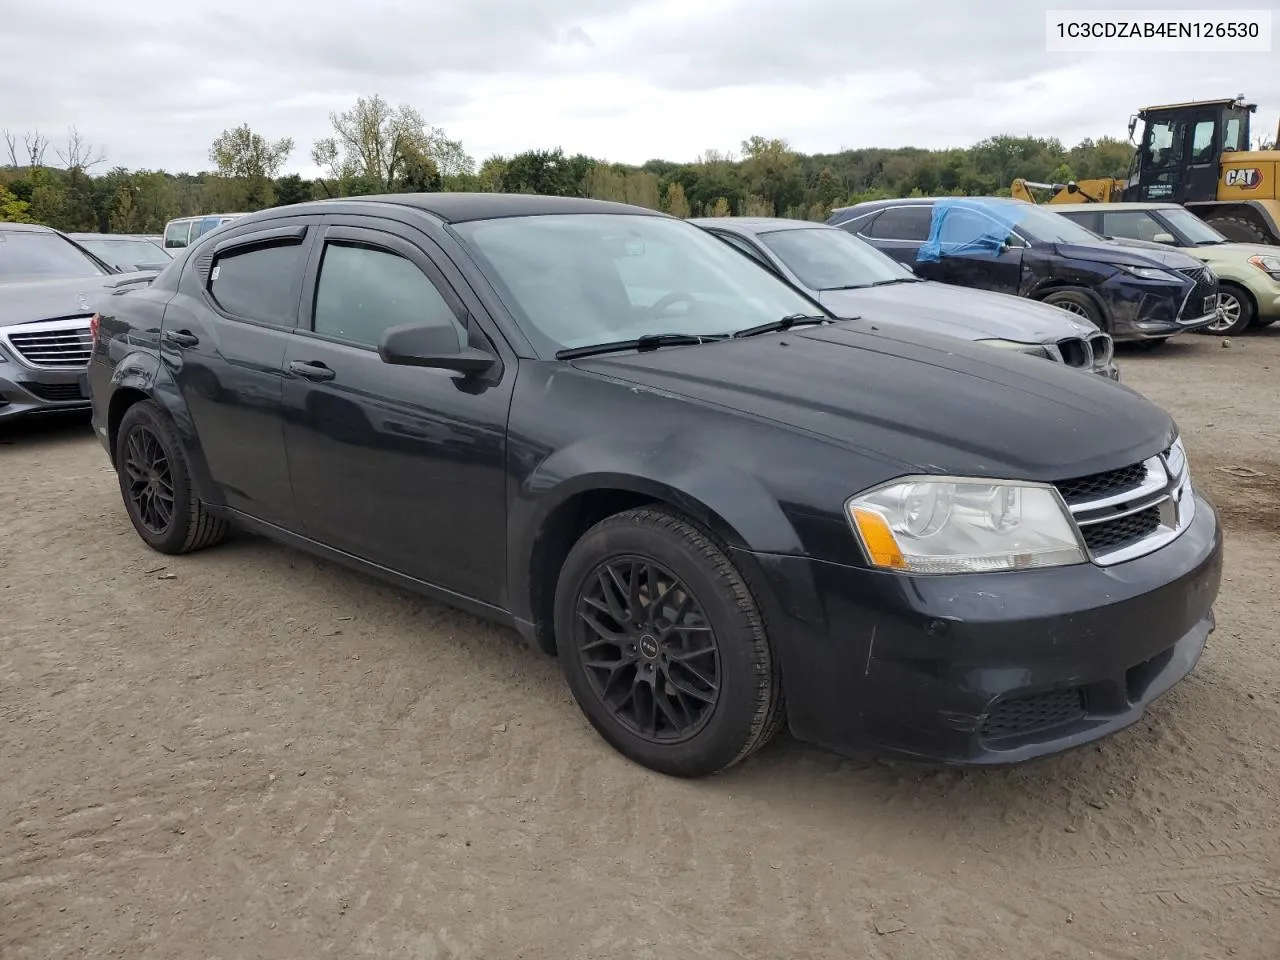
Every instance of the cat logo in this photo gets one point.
(1247, 178)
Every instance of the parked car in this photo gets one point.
(719, 506)
(49, 289)
(1248, 273)
(124, 251)
(1011, 246)
(184, 231)
(854, 279)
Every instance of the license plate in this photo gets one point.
(1211, 303)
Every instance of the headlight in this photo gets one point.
(1266, 264)
(1150, 273)
(928, 525)
(1034, 349)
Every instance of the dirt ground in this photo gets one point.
(247, 753)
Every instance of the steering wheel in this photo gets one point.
(662, 304)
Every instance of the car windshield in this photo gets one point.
(126, 251)
(826, 258)
(574, 280)
(41, 256)
(1193, 230)
(1036, 224)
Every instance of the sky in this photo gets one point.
(152, 82)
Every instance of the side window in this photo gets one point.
(1131, 225)
(903, 223)
(1090, 221)
(742, 246)
(1164, 143)
(258, 283)
(364, 291)
(175, 234)
(1231, 137)
(1202, 142)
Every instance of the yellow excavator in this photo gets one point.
(1196, 154)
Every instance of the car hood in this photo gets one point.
(923, 403)
(1236, 253)
(957, 312)
(1130, 253)
(27, 301)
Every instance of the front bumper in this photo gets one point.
(987, 669)
(25, 391)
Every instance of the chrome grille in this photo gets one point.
(1127, 513)
(53, 345)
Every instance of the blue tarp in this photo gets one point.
(964, 227)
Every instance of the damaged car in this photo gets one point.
(1011, 246)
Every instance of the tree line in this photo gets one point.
(375, 147)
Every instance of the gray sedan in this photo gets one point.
(853, 279)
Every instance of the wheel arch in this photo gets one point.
(565, 514)
(141, 376)
(1056, 284)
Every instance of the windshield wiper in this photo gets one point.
(784, 323)
(650, 341)
(885, 283)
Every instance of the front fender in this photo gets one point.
(731, 503)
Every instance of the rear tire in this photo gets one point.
(1240, 230)
(1076, 302)
(664, 647)
(1236, 312)
(156, 486)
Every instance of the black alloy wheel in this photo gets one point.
(664, 645)
(149, 481)
(156, 484)
(648, 650)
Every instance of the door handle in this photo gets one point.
(311, 370)
(181, 338)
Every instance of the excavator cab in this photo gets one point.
(1182, 148)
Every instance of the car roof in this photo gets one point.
(461, 207)
(868, 205)
(759, 224)
(1132, 205)
(106, 236)
(25, 228)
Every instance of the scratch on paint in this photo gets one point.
(871, 645)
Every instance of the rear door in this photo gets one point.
(400, 466)
(900, 232)
(224, 339)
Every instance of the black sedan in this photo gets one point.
(853, 279)
(1011, 246)
(722, 509)
(49, 290)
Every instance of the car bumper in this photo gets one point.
(987, 669)
(25, 391)
(1163, 329)
(1268, 302)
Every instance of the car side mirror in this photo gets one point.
(431, 345)
(1168, 238)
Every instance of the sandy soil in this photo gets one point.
(247, 753)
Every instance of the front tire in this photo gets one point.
(1236, 312)
(1078, 303)
(155, 484)
(664, 646)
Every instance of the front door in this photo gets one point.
(400, 466)
(969, 257)
(223, 339)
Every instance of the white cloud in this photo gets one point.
(154, 82)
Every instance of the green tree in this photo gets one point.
(242, 155)
(13, 210)
(771, 171)
(756, 206)
(720, 208)
(379, 144)
(677, 205)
